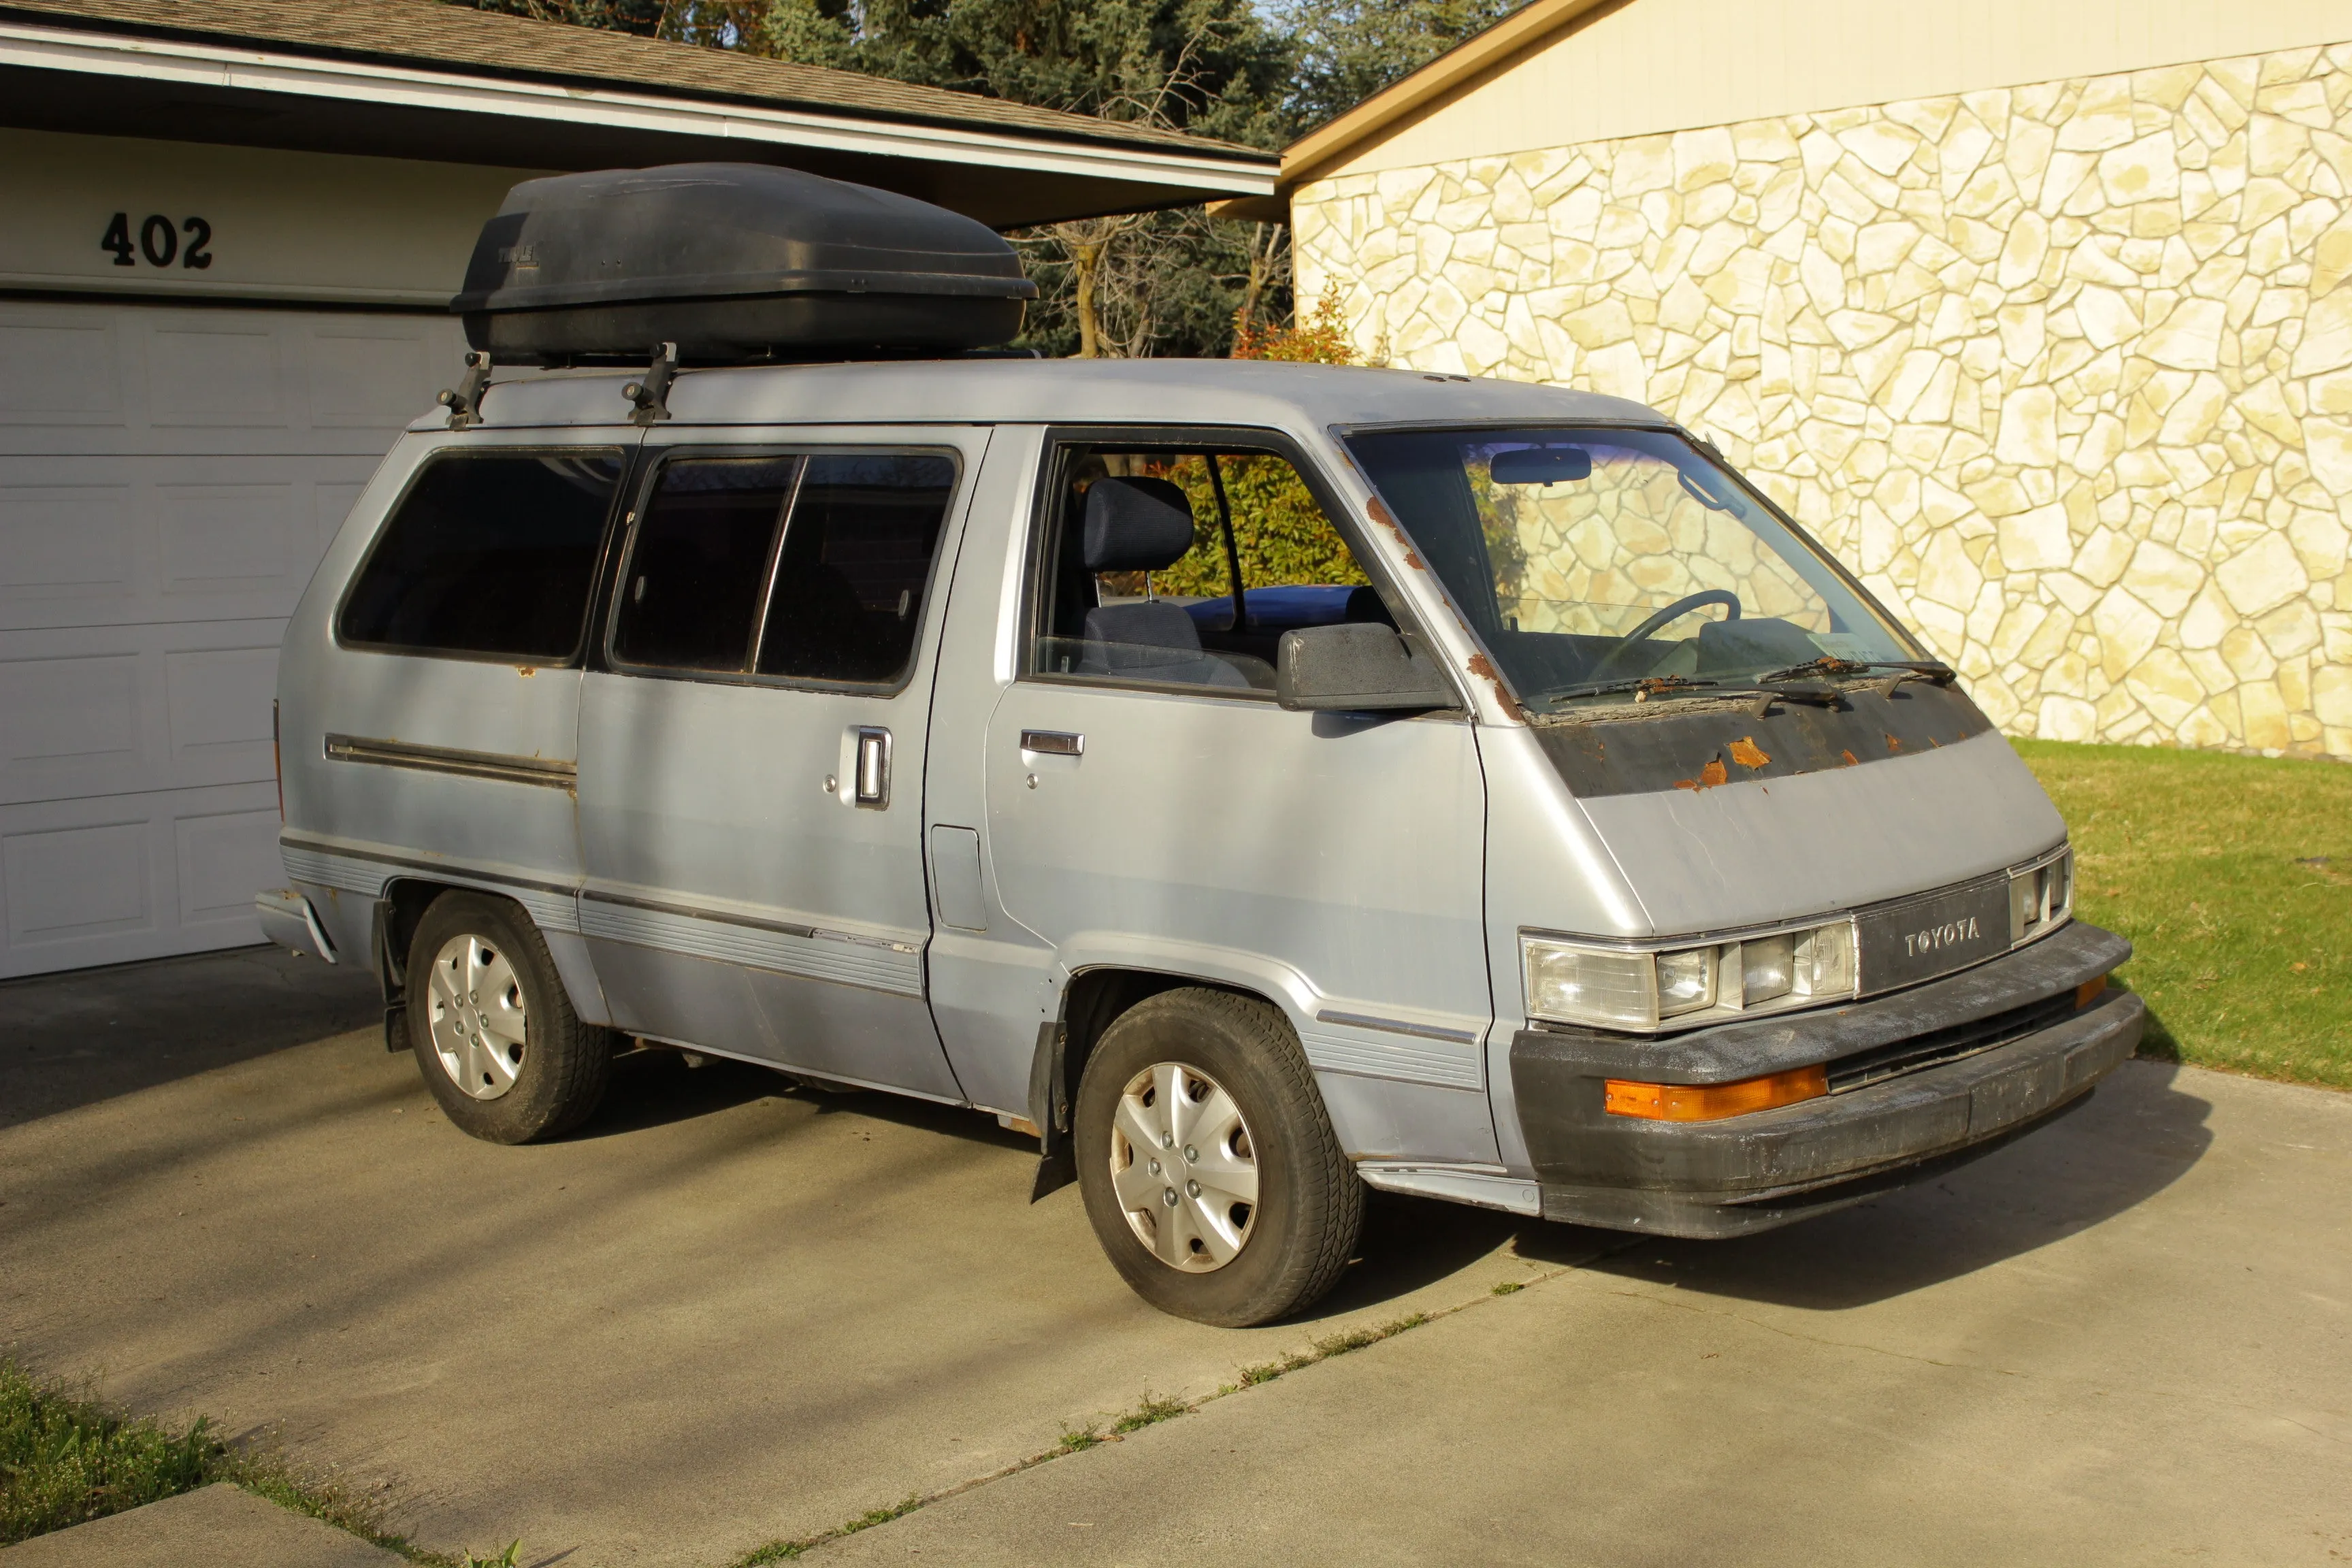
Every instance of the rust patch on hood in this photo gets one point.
(1713, 773)
(1657, 745)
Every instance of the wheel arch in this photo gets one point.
(1095, 998)
(401, 903)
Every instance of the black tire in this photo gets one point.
(1309, 1213)
(564, 1064)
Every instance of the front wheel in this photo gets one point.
(491, 1028)
(1209, 1172)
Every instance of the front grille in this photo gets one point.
(1947, 1045)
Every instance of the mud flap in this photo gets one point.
(1049, 1107)
(390, 973)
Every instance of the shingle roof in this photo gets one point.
(433, 35)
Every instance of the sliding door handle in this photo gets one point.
(1053, 742)
(871, 781)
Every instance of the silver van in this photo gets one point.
(1257, 782)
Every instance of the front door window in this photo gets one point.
(1183, 567)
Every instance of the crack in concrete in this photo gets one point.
(1344, 1342)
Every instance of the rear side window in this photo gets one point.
(812, 567)
(699, 563)
(489, 554)
(856, 563)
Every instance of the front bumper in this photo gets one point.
(1921, 1080)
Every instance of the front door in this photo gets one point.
(1150, 806)
(751, 745)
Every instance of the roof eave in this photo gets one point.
(154, 55)
(1473, 58)
(1085, 131)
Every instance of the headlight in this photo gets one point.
(2041, 897)
(1620, 988)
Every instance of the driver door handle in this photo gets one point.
(1053, 742)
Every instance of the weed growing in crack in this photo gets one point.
(1328, 1346)
(1509, 1286)
(792, 1550)
(874, 1515)
(1077, 1439)
(1149, 1413)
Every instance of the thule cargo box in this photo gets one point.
(732, 262)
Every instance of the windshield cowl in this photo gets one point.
(1695, 743)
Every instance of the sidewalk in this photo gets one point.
(218, 1527)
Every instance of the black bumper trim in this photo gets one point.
(1752, 1172)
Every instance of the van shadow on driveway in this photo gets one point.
(2099, 1158)
(1408, 1243)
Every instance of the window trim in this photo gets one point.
(640, 488)
(1043, 534)
(620, 452)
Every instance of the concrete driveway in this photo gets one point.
(731, 1312)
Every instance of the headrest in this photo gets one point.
(1136, 525)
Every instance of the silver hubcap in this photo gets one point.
(1184, 1167)
(477, 1016)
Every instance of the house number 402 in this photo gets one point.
(159, 242)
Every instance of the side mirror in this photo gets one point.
(1354, 666)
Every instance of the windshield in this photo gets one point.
(1590, 560)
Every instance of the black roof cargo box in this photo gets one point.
(731, 262)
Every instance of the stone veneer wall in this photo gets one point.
(2064, 371)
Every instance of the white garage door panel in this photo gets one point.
(169, 478)
(99, 881)
(112, 541)
(87, 711)
(59, 366)
(81, 378)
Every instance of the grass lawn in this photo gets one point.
(65, 1460)
(2232, 877)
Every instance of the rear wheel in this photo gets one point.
(1210, 1171)
(492, 1030)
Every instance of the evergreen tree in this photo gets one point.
(1350, 50)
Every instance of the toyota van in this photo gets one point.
(1257, 783)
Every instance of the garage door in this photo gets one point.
(168, 479)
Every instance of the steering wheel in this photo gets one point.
(1657, 618)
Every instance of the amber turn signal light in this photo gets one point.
(2090, 991)
(1713, 1102)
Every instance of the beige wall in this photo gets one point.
(2063, 369)
(1669, 65)
(285, 226)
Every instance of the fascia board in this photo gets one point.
(1328, 145)
(154, 60)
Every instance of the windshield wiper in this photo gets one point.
(1643, 688)
(1648, 687)
(1831, 666)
